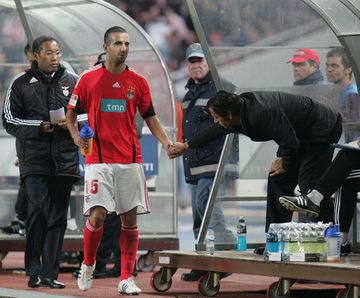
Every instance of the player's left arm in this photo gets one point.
(158, 131)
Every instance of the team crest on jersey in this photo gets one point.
(65, 90)
(130, 92)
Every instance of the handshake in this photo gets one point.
(176, 149)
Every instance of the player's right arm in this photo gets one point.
(71, 117)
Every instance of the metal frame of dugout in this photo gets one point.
(79, 26)
(336, 14)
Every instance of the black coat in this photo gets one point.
(290, 120)
(200, 162)
(28, 101)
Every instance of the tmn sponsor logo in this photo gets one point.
(113, 105)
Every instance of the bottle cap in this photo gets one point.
(86, 132)
(332, 231)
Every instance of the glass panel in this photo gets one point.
(356, 3)
(78, 28)
(344, 21)
(260, 23)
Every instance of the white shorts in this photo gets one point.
(116, 187)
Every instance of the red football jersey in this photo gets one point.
(111, 101)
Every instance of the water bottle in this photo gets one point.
(210, 241)
(241, 235)
(272, 249)
(87, 134)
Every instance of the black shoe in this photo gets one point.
(76, 274)
(14, 227)
(224, 274)
(193, 275)
(34, 281)
(301, 204)
(52, 283)
(345, 248)
(259, 250)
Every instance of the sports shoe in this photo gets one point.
(301, 204)
(128, 287)
(14, 227)
(85, 278)
(345, 248)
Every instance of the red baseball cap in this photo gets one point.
(302, 55)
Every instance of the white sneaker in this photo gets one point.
(85, 277)
(128, 287)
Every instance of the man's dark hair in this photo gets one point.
(224, 102)
(38, 42)
(340, 52)
(113, 29)
(27, 49)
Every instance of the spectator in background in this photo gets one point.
(29, 54)
(49, 162)
(305, 63)
(200, 164)
(339, 72)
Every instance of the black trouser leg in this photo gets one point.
(21, 208)
(315, 159)
(36, 223)
(345, 203)
(278, 186)
(344, 162)
(60, 190)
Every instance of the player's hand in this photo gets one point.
(178, 149)
(62, 123)
(276, 167)
(46, 127)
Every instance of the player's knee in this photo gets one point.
(97, 216)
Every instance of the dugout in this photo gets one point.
(249, 44)
(79, 26)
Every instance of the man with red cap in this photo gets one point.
(306, 69)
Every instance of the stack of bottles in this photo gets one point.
(297, 242)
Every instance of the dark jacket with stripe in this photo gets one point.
(28, 101)
(200, 162)
(290, 120)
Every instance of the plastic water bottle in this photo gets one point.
(241, 235)
(210, 241)
(272, 251)
(87, 134)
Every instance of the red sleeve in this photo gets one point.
(77, 97)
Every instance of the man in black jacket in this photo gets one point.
(48, 157)
(303, 129)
